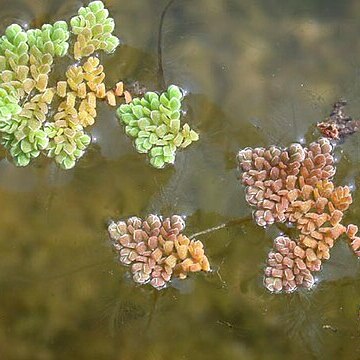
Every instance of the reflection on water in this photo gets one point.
(257, 74)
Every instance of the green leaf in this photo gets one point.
(143, 134)
(101, 15)
(139, 145)
(167, 151)
(153, 139)
(22, 160)
(156, 151)
(125, 108)
(161, 131)
(144, 102)
(186, 143)
(126, 118)
(168, 137)
(169, 159)
(26, 146)
(165, 110)
(155, 116)
(157, 162)
(95, 6)
(174, 104)
(175, 115)
(146, 144)
(155, 103)
(150, 96)
(175, 126)
(174, 92)
(132, 131)
(164, 100)
(68, 163)
(143, 123)
(194, 136)
(137, 111)
(178, 140)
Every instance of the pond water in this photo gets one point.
(257, 73)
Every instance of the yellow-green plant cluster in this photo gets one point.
(36, 118)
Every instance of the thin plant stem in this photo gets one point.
(161, 77)
(222, 226)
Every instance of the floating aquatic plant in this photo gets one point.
(286, 269)
(156, 250)
(66, 144)
(154, 122)
(9, 107)
(338, 125)
(29, 128)
(27, 137)
(27, 125)
(14, 60)
(93, 28)
(294, 184)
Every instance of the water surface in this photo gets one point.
(258, 73)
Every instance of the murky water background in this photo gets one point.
(258, 72)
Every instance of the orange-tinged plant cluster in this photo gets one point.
(294, 185)
(156, 250)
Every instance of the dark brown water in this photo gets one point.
(258, 72)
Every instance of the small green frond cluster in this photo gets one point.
(66, 144)
(154, 122)
(93, 28)
(25, 62)
(13, 48)
(26, 142)
(50, 39)
(23, 133)
(9, 106)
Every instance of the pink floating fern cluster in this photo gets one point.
(156, 250)
(271, 176)
(294, 184)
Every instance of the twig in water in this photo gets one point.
(222, 226)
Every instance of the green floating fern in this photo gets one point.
(13, 48)
(26, 142)
(24, 135)
(50, 39)
(154, 122)
(93, 28)
(66, 145)
(26, 61)
(8, 106)
(14, 60)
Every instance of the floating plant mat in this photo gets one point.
(294, 185)
(28, 128)
(156, 249)
(36, 118)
